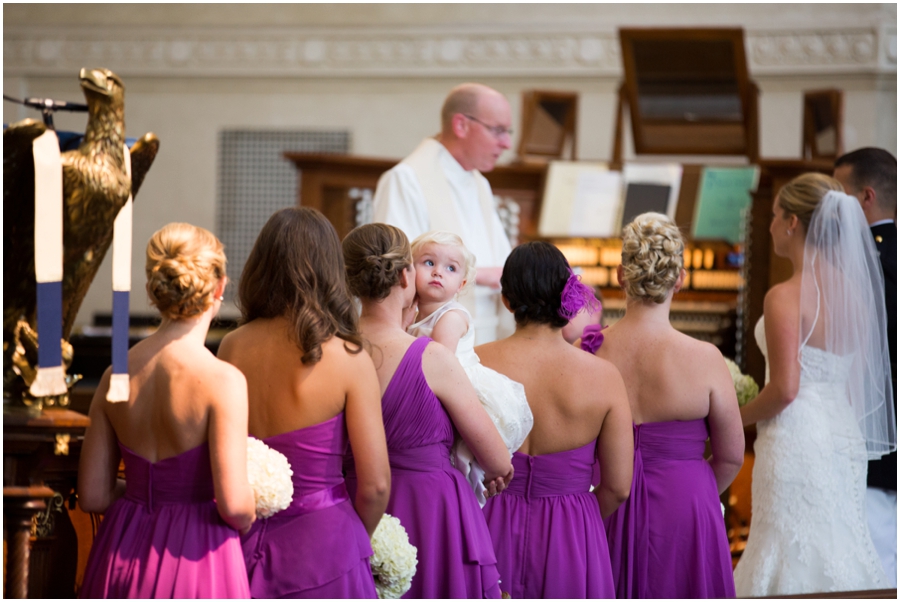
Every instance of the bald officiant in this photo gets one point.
(440, 187)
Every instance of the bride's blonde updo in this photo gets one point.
(184, 264)
(652, 256)
(801, 195)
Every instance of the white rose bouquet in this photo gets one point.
(393, 558)
(270, 475)
(744, 385)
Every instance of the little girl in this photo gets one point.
(444, 266)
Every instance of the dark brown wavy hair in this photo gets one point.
(296, 270)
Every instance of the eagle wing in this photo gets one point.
(18, 220)
(143, 152)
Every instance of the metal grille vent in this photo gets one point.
(255, 180)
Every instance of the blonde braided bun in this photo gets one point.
(652, 256)
(184, 265)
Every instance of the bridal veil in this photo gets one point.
(843, 313)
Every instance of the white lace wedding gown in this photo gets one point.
(808, 532)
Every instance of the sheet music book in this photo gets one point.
(596, 206)
(650, 187)
(723, 198)
(580, 199)
(641, 198)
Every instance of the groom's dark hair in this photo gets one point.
(873, 167)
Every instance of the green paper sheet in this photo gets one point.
(724, 195)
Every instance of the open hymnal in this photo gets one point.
(580, 199)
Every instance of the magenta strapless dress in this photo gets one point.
(318, 546)
(430, 497)
(164, 538)
(668, 539)
(547, 529)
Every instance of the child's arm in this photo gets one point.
(450, 328)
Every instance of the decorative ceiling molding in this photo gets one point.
(410, 52)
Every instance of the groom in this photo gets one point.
(870, 174)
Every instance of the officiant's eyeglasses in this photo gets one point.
(496, 130)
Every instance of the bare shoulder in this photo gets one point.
(592, 366)
(455, 317)
(336, 351)
(232, 342)
(782, 293)
(441, 369)
(596, 380)
(436, 354)
(98, 403)
(225, 375)
(490, 350)
(695, 350)
(782, 303)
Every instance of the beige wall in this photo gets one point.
(381, 72)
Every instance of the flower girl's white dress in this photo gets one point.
(502, 398)
(808, 531)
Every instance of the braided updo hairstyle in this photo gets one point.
(375, 255)
(533, 279)
(184, 265)
(652, 256)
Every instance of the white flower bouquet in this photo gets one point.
(744, 385)
(270, 475)
(393, 558)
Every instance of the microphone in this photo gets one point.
(47, 105)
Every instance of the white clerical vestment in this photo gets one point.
(430, 190)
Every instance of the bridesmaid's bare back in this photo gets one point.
(284, 394)
(173, 386)
(568, 412)
(666, 373)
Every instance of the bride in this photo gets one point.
(826, 407)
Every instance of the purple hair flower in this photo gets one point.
(592, 338)
(575, 296)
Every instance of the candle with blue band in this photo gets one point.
(48, 264)
(118, 382)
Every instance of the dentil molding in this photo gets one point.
(412, 52)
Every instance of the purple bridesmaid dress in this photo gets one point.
(547, 529)
(318, 546)
(430, 497)
(668, 539)
(164, 538)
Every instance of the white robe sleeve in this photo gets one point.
(399, 201)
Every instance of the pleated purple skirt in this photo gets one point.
(547, 530)
(164, 538)
(668, 539)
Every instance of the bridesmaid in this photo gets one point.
(547, 527)
(312, 393)
(426, 399)
(171, 529)
(668, 540)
